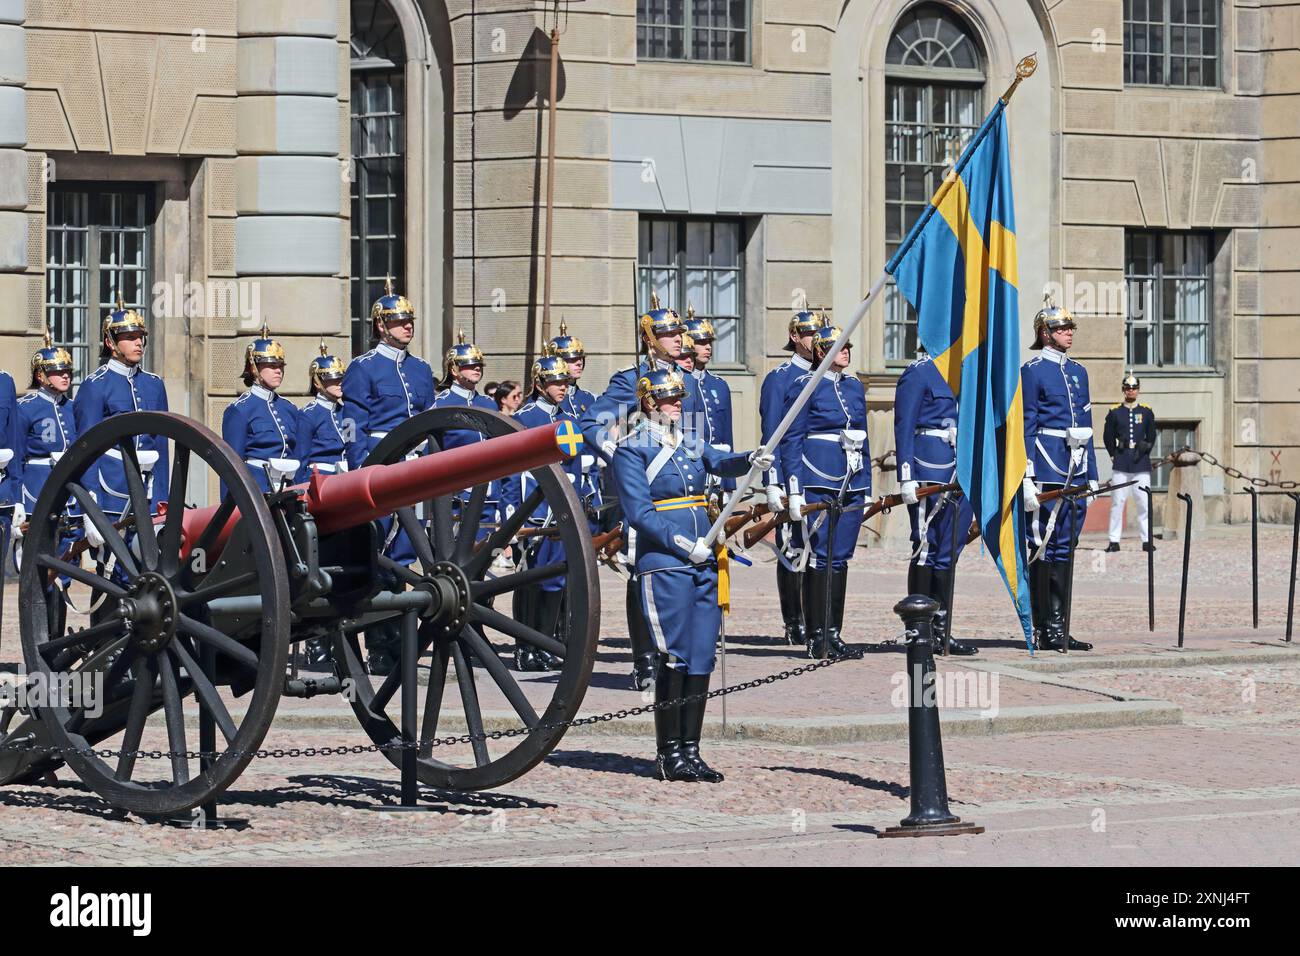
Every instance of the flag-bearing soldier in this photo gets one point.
(606, 419)
(771, 409)
(1129, 434)
(661, 473)
(381, 389)
(925, 439)
(322, 444)
(540, 605)
(260, 426)
(1058, 443)
(824, 458)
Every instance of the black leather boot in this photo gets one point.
(1061, 586)
(524, 607)
(940, 585)
(1054, 614)
(1039, 599)
(645, 659)
(383, 648)
(839, 585)
(816, 613)
(693, 727)
(788, 589)
(549, 606)
(670, 762)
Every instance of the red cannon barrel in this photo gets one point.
(356, 497)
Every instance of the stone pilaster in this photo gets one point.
(15, 284)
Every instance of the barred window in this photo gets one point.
(693, 30)
(96, 245)
(1169, 294)
(696, 263)
(378, 183)
(934, 91)
(1171, 42)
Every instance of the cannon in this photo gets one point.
(201, 606)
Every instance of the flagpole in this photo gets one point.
(1024, 69)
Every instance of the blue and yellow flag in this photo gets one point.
(957, 268)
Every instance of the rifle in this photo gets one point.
(888, 502)
(761, 529)
(1072, 491)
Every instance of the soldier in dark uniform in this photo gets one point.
(1130, 434)
(771, 409)
(925, 436)
(261, 427)
(1058, 441)
(661, 474)
(606, 419)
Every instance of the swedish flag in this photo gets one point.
(957, 268)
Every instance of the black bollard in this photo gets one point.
(1254, 556)
(1295, 545)
(930, 815)
(1151, 564)
(1187, 554)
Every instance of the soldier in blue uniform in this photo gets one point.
(1058, 442)
(463, 370)
(715, 395)
(1130, 434)
(606, 419)
(259, 426)
(661, 473)
(925, 436)
(570, 348)
(47, 428)
(12, 512)
(321, 444)
(117, 386)
(540, 605)
(771, 409)
(825, 457)
(381, 389)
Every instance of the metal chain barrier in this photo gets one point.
(1229, 470)
(26, 746)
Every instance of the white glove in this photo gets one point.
(908, 491)
(700, 552)
(763, 460)
(796, 507)
(1030, 494)
(774, 496)
(20, 519)
(93, 537)
(1093, 485)
(608, 446)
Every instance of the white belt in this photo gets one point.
(826, 436)
(147, 459)
(41, 461)
(947, 434)
(1054, 432)
(328, 467)
(377, 434)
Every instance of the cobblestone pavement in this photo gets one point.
(1221, 787)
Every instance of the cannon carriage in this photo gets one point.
(197, 610)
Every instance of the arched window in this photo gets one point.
(934, 86)
(378, 140)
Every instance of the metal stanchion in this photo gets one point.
(1254, 556)
(1295, 544)
(930, 815)
(1151, 563)
(1187, 553)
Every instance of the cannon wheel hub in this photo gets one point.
(454, 598)
(151, 610)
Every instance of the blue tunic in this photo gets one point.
(543, 550)
(112, 389)
(819, 461)
(617, 404)
(925, 435)
(260, 425)
(772, 407)
(1055, 390)
(382, 389)
(715, 414)
(320, 441)
(661, 483)
(577, 402)
(11, 438)
(48, 427)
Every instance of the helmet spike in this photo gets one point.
(460, 336)
(388, 285)
(266, 329)
(323, 349)
(564, 328)
(121, 303)
(654, 299)
(49, 342)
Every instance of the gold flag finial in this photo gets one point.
(1024, 70)
(654, 300)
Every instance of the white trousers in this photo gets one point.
(1120, 496)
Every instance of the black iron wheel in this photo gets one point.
(464, 664)
(152, 643)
